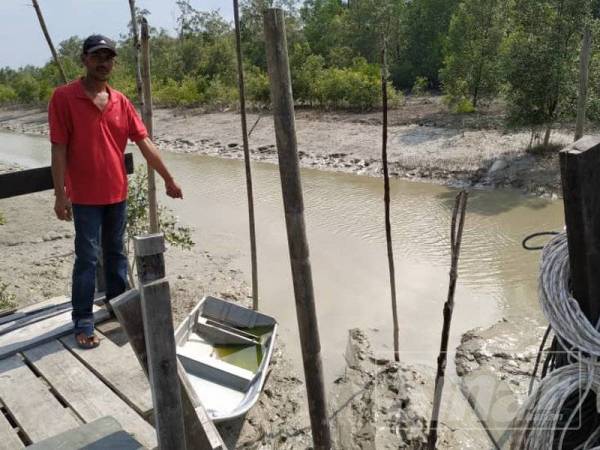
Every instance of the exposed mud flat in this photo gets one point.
(425, 142)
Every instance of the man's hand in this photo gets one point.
(62, 208)
(173, 189)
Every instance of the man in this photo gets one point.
(89, 126)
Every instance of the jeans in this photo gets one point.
(95, 224)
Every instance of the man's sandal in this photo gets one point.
(85, 336)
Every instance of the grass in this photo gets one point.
(541, 150)
(7, 299)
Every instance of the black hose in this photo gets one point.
(531, 236)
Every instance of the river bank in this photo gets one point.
(376, 403)
(425, 143)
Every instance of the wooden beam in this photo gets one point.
(289, 168)
(160, 343)
(36, 180)
(579, 165)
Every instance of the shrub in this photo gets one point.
(420, 87)
(219, 94)
(7, 95)
(257, 85)
(2, 219)
(138, 218)
(173, 93)
(27, 89)
(7, 299)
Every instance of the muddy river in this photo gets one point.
(344, 217)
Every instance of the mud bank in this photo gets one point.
(425, 143)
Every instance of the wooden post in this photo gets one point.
(40, 17)
(456, 231)
(160, 341)
(200, 431)
(386, 202)
(579, 166)
(584, 70)
(136, 54)
(285, 132)
(147, 118)
(249, 191)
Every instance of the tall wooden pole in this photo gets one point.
(456, 232)
(238, 43)
(584, 70)
(136, 52)
(289, 168)
(147, 118)
(40, 17)
(386, 202)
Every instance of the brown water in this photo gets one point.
(344, 217)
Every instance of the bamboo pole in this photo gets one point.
(147, 118)
(136, 53)
(40, 17)
(584, 70)
(285, 132)
(249, 191)
(386, 202)
(460, 207)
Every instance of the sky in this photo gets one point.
(22, 41)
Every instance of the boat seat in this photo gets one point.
(213, 369)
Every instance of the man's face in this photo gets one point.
(99, 64)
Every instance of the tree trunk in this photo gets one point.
(584, 70)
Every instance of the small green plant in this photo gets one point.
(7, 299)
(138, 218)
(420, 86)
(2, 219)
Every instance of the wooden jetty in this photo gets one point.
(48, 385)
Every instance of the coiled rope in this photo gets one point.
(562, 403)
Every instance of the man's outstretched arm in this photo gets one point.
(151, 154)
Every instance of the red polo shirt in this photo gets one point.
(95, 142)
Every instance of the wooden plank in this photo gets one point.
(102, 434)
(37, 180)
(29, 401)
(162, 364)
(40, 332)
(35, 308)
(118, 368)
(581, 192)
(201, 432)
(84, 393)
(9, 439)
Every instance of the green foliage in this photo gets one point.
(424, 29)
(7, 299)
(173, 93)
(137, 215)
(472, 66)
(542, 51)
(257, 85)
(2, 219)
(7, 95)
(420, 86)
